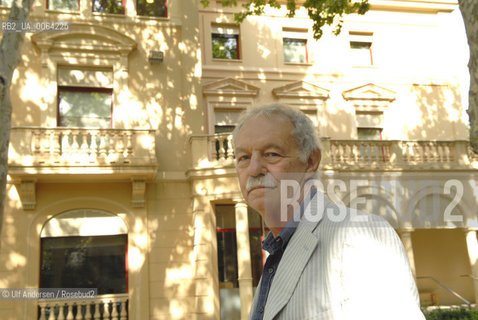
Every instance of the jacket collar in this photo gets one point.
(300, 248)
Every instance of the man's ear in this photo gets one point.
(314, 161)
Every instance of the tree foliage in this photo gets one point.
(322, 12)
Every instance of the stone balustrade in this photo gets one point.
(33, 149)
(104, 307)
(213, 150)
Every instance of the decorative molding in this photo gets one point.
(28, 194)
(227, 94)
(369, 92)
(428, 6)
(138, 192)
(85, 37)
(230, 87)
(301, 89)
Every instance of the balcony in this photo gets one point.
(213, 151)
(54, 152)
(112, 306)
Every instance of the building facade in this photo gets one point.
(121, 167)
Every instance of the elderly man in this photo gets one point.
(325, 261)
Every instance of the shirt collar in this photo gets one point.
(273, 245)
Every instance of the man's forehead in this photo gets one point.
(266, 145)
(271, 117)
(277, 121)
(264, 132)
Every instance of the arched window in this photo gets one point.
(85, 248)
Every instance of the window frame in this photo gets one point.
(306, 53)
(299, 35)
(226, 32)
(82, 223)
(84, 89)
(379, 130)
(360, 41)
(123, 7)
(97, 237)
(154, 3)
(62, 9)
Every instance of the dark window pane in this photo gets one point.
(369, 133)
(84, 262)
(223, 128)
(256, 236)
(84, 107)
(360, 45)
(361, 52)
(152, 8)
(295, 50)
(225, 46)
(108, 6)
(226, 246)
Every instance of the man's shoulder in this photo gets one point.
(323, 211)
(331, 218)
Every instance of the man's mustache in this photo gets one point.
(266, 181)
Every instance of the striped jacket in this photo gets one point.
(342, 264)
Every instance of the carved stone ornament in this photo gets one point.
(28, 194)
(369, 92)
(138, 191)
(230, 87)
(301, 89)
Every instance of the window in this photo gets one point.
(152, 8)
(369, 133)
(109, 6)
(228, 258)
(369, 125)
(227, 262)
(85, 97)
(223, 128)
(84, 262)
(84, 107)
(226, 246)
(76, 253)
(73, 5)
(225, 120)
(257, 232)
(361, 48)
(225, 42)
(6, 3)
(295, 46)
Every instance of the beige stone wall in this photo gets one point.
(171, 234)
(442, 254)
(165, 97)
(415, 55)
(172, 245)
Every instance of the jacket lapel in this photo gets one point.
(298, 251)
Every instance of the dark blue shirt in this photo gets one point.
(275, 247)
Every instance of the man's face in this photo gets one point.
(265, 148)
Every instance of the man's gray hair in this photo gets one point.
(304, 132)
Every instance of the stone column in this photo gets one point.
(472, 245)
(243, 258)
(406, 236)
(206, 279)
